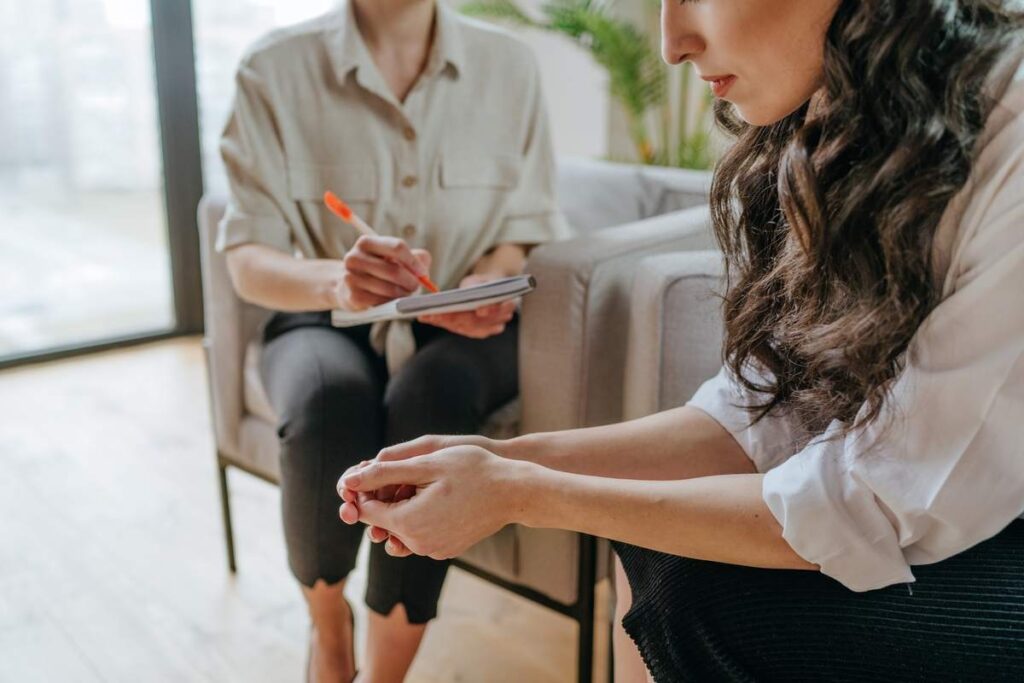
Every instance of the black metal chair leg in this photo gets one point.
(611, 649)
(585, 604)
(225, 506)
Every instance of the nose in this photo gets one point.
(680, 39)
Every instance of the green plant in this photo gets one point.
(638, 79)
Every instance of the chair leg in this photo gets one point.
(225, 506)
(585, 604)
(611, 649)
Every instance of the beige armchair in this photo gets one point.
(573, 352)
(675, 332)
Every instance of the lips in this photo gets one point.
(720, 84)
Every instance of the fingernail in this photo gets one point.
(350, 481)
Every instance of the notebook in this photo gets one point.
(451, 301)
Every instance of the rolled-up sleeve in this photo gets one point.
(942, 469)
(254, 161)
(767, 442)
(533, 216)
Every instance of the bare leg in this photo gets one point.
(629, 667)
(332, 658)
(391, 646)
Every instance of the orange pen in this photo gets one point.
(342, 211)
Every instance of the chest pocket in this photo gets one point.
(356, 184)
(351, 182)
(466, 170)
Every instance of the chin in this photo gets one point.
(767, 113)
(759, 116)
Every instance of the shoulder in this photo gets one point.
(985, 219)
(1004, 128)
(492, 48)
(279, 49)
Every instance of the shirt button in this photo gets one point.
(409, 133)
(408, 231)
(409, 181)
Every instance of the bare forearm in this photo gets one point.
(280, 282)
(719, 518)
(675, 444)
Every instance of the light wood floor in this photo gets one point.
(112, 562)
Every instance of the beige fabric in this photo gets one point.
(574, 335)
(253, 393)
(675, 332)
(463, 164)
(229, 325)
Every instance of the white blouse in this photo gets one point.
(948, 472)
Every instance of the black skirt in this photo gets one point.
(963, 620)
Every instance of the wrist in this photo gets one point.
(535, 448)
(332, 290)
(525, 485)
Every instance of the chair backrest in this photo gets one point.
(600, 194)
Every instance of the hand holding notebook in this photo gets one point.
(454, 300)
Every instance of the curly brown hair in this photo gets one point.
(827, 217)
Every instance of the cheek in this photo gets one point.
(778, 45)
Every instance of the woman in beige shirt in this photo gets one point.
(433, 129)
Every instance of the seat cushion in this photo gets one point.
(253, 394)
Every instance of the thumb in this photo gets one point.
(424, 257)
(377, 475)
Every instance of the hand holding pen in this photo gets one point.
(378, 268)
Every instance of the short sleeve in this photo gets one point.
(767, 442)
(254, 161)
(533, 216)
(942, 469)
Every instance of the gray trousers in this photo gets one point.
(337, 407)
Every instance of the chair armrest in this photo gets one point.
(675, 332)
(229, 325)
(574, 327)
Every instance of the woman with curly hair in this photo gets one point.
(843, 500)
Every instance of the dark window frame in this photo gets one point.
(178, 111)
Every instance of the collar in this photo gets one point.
(348, 51)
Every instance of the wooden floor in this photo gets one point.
(112, 561)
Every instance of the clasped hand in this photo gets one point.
(435, 496)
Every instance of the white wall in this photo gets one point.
(574, 86)
(577, 95)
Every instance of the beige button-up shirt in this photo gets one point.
(462, 165)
